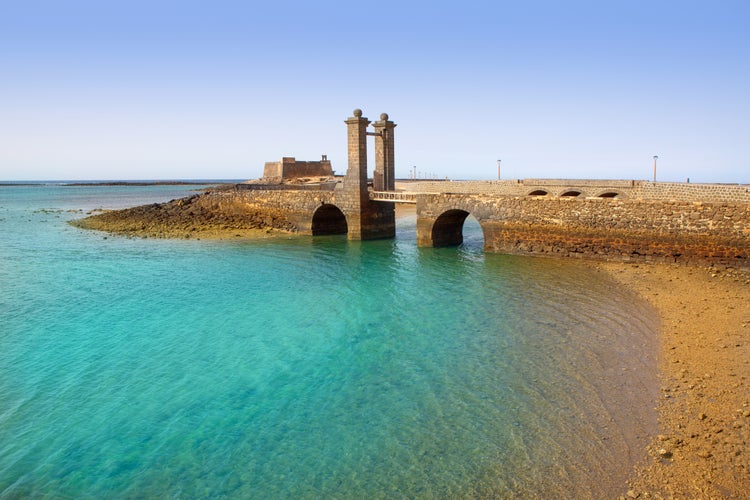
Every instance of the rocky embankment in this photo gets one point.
(192, 217)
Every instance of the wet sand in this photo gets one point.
(704, 407)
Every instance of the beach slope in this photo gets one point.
(704, 408)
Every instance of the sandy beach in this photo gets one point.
(704, 406)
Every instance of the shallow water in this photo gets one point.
(306, 367)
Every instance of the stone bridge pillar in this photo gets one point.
(366, 220)
(385, 170)
(356, 143)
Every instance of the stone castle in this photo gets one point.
(289, 169)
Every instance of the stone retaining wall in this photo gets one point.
(610, 229)
(282, 208)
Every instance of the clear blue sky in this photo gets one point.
(196, 89)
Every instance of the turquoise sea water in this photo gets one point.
(306, 367)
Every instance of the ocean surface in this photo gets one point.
(307, 367)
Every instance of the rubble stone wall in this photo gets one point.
(608, 229)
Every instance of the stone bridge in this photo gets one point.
(611, 220)
(609, 229)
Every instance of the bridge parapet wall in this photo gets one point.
(523, 187)
(325, 186)
(469, 187)
(283, 208)
(590, 183)
(643, 190)
(294, 209)
(608, 229)
(682, 191)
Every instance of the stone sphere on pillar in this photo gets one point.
(384, 116)
(358, 113)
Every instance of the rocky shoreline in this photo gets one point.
(190, 217)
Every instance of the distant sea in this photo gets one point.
(306, 367)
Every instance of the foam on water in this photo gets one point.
(307, 367)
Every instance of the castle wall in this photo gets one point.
(273, 170)
(290, 168)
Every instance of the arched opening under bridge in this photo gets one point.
(539, 192)
(609, 194)
(571, 193)
(329, 219)
(455, 227)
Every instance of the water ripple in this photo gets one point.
(310, 368)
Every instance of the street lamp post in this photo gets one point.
(655, 158)
(498, 169)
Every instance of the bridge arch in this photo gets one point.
(329, 219)
(538, 192)
(572, 193)
(447, 230)
(609, 194)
